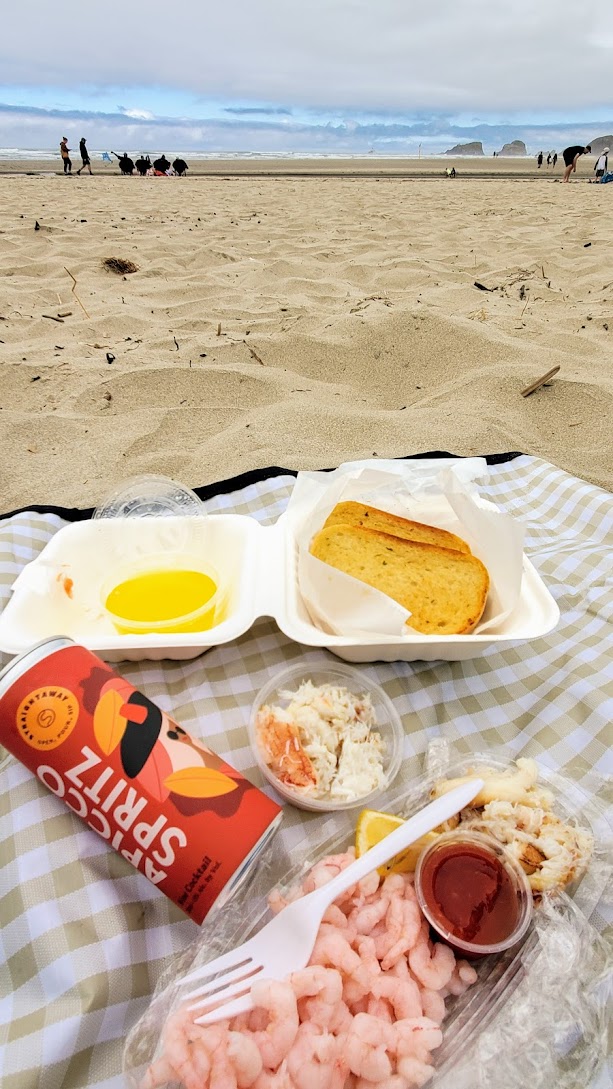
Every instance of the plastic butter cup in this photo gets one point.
(519, 892)
(388, 725)
(165, 514)
(205, 616)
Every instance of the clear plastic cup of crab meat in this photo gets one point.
(326, 737)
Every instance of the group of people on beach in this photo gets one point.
(83, 152)
(159, 168)
(162, 167)
(571, 156)
(552, 158)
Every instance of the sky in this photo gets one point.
(320, 76)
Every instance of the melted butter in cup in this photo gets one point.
(164, 594)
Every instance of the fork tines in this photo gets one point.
(223, 985)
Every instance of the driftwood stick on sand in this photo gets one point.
(52, 317)
(539, 382)
(253, 353)
(74, 291)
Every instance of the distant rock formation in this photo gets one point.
(475, 148)
(600, 143)
(516, 147)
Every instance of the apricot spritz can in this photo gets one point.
(181, 815)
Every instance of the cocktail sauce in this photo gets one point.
(469, 893)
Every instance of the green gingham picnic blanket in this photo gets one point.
(84, 937)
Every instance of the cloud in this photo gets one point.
(137, 115)
(344, 54)
(329, 75)
(39, 127)
(246, 111)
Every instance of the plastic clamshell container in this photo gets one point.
(259, 566)
(248, 912)
(389, 726)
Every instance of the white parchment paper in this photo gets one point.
(424, 492)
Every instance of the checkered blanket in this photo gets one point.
(84, 936)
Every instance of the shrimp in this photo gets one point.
(332, 950)
(404, 928)
(395, 1081)
(222, 1074)
(369, 967)
(414, 1072)
(313, 1057)
(335, 917)
(433, 1004)
(283, 751)
(402, 994)
(366, 1047)
(245, 1058)
(257, 1019)
(356, 1005)
(409, 888)
(277, 901)
(279, 1000)
(359, 984)
(368, 886)
(379, 1008)
(320, 989)
(327, 868)
(393, 885)
(188, 1047)
(280, 1079)
(461, 979)
(432, 970)
(366, 918)
(158, 1073)
(400, 969)
(417, 1037)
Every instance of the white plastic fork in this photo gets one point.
(285, 944)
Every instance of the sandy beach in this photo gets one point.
(298, 315)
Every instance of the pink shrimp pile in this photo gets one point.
(366, 1012)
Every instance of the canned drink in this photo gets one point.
(181, 815)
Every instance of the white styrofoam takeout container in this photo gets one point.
(259, 564)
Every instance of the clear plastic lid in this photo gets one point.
(150, 496)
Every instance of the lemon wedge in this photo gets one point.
(373, 826)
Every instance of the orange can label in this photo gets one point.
(177, 812)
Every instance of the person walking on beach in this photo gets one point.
(84, 153)
(555, 158)
(539, 159)
(571, 157)
(65, 153)
(548, 158)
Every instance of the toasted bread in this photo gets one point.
(358, 514)
(444, 590)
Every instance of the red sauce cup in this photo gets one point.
(473, 893)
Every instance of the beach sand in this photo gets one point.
(278, 318)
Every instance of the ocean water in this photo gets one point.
(24, 154)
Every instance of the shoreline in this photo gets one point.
(477, 167)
